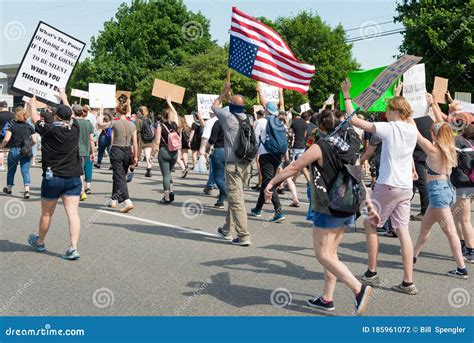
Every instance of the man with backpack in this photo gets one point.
(272, 146)
(240, 148)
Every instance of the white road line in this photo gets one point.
(197, 232)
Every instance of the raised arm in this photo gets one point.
(282, 99)
(222, 96)
(174, 114)
(438, 114)
(33, 110)
(263, 102)
(360, 123)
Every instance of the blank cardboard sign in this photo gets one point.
(128, 94)
(162, 89)
(439, 89)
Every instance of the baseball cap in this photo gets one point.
(272, 108)
(64, 112)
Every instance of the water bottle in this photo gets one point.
(49, 174)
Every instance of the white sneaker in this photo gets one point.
(2, 168)
(111, 203)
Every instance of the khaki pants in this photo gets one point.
(236, 175)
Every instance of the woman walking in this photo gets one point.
(145, 133)
(19, 139)
(167, 143)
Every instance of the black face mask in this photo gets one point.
(236, 108)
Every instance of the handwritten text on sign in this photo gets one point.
(269, 92)
(204, 102)
(48, 63)
(414, 90)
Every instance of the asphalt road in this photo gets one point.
(167, 260)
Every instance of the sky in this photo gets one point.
(83, 19)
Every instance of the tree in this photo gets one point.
(144, 36)
(442, 33)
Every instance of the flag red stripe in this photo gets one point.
(280, 85)
(283, 69)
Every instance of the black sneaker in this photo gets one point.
(362, 299)
(148, 173)
(219, 205)
(7, 191)
(321, 305)
(207, 190)
(240, 242)
(227, 237)
(458, 274)
(97, 166)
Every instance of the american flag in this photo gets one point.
(258, 52)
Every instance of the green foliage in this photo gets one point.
(442, 33)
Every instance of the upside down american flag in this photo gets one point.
(258, 52)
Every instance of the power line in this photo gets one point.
(358, 28)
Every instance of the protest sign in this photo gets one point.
(162, 89)
(189, 119)
(440, 88)
(462, 96)
(101, 95)
(204, 104)
(7, 98)
(330, 100)
(79, 94)
(269, 92)
(257, 108)
(127, 94)
(384, 81)
(47, 64)
(305, 107)
(466, 106)
(414, 90)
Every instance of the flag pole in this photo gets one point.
(228, 75)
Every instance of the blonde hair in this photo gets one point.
(21, 114)
(401, 105)
(445, 141)
(144, 111)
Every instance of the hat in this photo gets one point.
(64, 112)
(77, 110)
(3, 104)
(272, 108)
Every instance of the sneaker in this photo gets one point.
(407, 290)
(111, 203)
(381, 230)
(171, 196)
(469, 256)
(277, 218)
(88, 191)
(295, 204)
(148, 173)
(362, 299)
(458, 274)
(321, 304)
(227, 237)
(219, 205)
(26, 195)
(255, 212)
(240, 242)
(71, 254)
(280, 191)
(417, 218)
(33, 241)
(127, 208)
(97, 166)
(6, 190)
(185, 172)
(373, 281)
(83, 196)
(2, 168)
(207, 190)
(130, 177)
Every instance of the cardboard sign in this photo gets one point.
(414, 90)
(162, 89)
(330, 99)
(257, 108)
(79, 94)
(128, 94)
(7, 98)
(47, 64)
(39, 104)
(440, 88)
(385, 79)
(305, 107)
(101, 95)
(463, 96)
(269, 92)
(204, 104)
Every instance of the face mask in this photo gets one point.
(236, 108)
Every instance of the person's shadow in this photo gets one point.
(7, 246)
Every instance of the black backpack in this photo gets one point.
(246, 146)
(27, 147)
(148, 131)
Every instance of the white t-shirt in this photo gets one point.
(261, 135)
(396, 159)
(206, 133)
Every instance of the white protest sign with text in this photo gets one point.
(47, 64)
(204, 103)
(269, 92)
(385, 79)
(414, 90)
(79, 94)
(101, 95)
(305, 107)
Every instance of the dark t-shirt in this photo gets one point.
(217, 136)
(60, 148)
(5, 117)
(298, 126)
(47, 117)
(423, 124)
(20, 131)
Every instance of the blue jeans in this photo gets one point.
(211, 181)
(104, 143)
(218, 167)
(14, 156)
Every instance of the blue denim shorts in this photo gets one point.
(61, 186)
(324, 221)
(441, 194)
